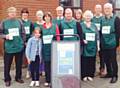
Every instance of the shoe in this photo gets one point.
(46, 84)
(85, 79)
(19, 81)
(37, 83)
(106, 76)
(28, 75)
(90, 78)
(32, 83)
(7, 83)
(114, 80)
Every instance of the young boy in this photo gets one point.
(33, 54)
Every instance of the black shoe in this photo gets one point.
(106, 76)
(19, 81)
(7, 83)
(114, 80)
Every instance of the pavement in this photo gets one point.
(96, 83)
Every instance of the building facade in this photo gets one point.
(50, 5)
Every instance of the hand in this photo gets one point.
(85, 41)
(7, 37)
(28, 61)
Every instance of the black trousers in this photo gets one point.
(8, 58)
(109, 56)
(88, 66)
(102, 62)
(48, 71)
(34, 69)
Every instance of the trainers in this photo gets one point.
(32, 83)
(85, 79)
(28, 74)
(46, 84)
(90, 78)
(37, 83)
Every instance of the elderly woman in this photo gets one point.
(39, 17)
(49, 29)
(90, 36)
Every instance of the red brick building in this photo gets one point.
(49, 5)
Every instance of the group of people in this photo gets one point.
(98, 33)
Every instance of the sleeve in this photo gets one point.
(79, 32)
(57, 32)
(2, 35)
(27, 50)
(31, 28)
(117, 29)
(23, 35)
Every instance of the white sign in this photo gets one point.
(68, 32)
(14, 31)
(106, 29)
(47, 39)
(98, 26)
(27, 30)
(90, 36)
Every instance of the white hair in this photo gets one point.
(60, 8)
(98, 6)
(88, 13)
(108, 5)
(68, 10)
(39, 13)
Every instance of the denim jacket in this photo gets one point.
(31, 48)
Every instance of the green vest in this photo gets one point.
(108, 39)
(28, 29)
(13, 27)
(97, 22)
(57, 21)
(69, 28)
(89, 34)
(47, 35)
(37, 25)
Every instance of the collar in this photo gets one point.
(110, 16)
(99, 15)
(58, 18)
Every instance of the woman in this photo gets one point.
(48, 31)
(78, 15)
(90, 36)
(39, 17)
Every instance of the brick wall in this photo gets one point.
(32, 5)
(89, 4)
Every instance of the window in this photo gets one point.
(73, 3)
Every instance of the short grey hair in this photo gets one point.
(39, 13)
(108, 5)
(88, 12)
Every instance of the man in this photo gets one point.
(68, 26)
(12, 31)
(110, 33)
(97, 20)
(60, 17)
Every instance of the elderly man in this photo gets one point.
(68, 25)
(60, 17)
(12, 31)
(97, 20)
(110, 33)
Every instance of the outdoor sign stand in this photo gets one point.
(65, 64)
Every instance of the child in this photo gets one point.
(33, 54)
